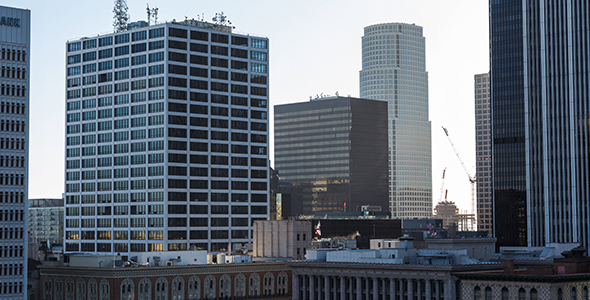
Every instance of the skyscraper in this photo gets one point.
(15, 43)
(166, 138)
(394, 70)
(483, 152)
(542, 115)
(508, 122)
(335, 150)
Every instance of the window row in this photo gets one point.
(11, 54)
(13, 108)
(123, 197)
(115, 198)
(148, 184)
(13, 90)
(11, 72)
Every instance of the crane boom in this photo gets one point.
(442, 188)
(472, 179)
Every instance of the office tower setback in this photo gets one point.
(483, 152)
(15, 43)
(394, 70)
(167, 138)
(539, 75)
(334, 152)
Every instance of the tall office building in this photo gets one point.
(394, 69)
(483, 152)
(508, 123)
(334, 151)
(540, 69)
(166, 138)
(15, 43)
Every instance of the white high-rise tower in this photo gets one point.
(166, 138)
(15, 43)
(394, 70)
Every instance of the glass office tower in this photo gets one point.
(331, 155)
(166, 138)
(508, 132)
(394, 70)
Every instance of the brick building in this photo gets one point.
(213, 281)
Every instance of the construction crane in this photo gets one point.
(442, 187)
(472, 179)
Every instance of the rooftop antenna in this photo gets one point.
(221, 19)
(121, 17)
(152, 14)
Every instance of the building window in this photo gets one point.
(70, 290)
(240, 286)
(225, 287)
(209, 287)
(282, 284)
(194, 288)
(504, 293)
(81, 289)
(105, 290)
(574, 294)
(522, 294)
(268, 285)
(254, 285)
(477, 293)
(177, 288)
(534, 296)
(488, 293)
(162, 289)
(47, 289)
(127, 290)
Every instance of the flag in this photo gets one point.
(318, 229)
(428, 225)
(433, 234)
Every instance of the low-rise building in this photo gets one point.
(391, 269)
(287, 239)
(270, 280)
(565, 278)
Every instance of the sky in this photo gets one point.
(315, 47)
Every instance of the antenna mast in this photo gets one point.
(121, 17)
(152, 14)
(221, 19)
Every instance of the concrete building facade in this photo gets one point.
(394, 70)
(166, 138)
(15, 54)
(483, 153)
(281, 239)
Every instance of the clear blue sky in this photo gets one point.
(315, 47)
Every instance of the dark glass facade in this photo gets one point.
(331, 154)
(540, 73)
(508, 130)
